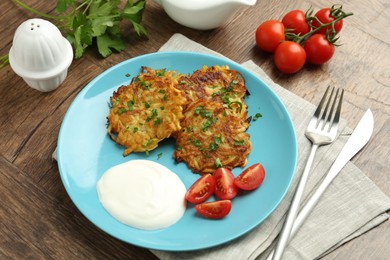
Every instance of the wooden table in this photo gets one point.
(37, 218)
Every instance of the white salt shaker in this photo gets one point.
(40, 54)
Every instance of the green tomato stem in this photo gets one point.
(34, 11)
(331, 37)
(4, 61)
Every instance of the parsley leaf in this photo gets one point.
(107, 42)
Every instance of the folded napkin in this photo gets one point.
(351, 205)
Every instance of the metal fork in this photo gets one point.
(322, 130)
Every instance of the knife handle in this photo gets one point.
(311, 203)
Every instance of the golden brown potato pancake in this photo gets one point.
(216, 83)
(213, 129)
(212, 136)
(146, 111)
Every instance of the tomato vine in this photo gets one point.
(338, 14)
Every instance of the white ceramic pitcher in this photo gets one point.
(202, 14)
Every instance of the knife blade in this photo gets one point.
(359, 138)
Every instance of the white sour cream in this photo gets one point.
(142, 194)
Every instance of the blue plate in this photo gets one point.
(85, 152)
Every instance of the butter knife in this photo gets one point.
(359, 138)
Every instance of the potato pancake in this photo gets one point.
(216, 83)
(146, 111)
(212, 136)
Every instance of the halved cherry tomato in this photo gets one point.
(216, 209)
(289, 57)
(251, 178)
(269, 35)
(325, 17)
(224, 184)
(201, 190)
(318, 49)
(296, 21)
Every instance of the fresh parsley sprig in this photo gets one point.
(94, 22)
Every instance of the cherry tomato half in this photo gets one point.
(251, 178)
(201, 190)
(224, 184)
(289, 57)
(325, 17)
(318, 49)
(296, 20)
(269, 35)
(216, 209)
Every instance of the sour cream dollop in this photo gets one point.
(142, 194)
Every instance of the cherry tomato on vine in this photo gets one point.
(224, 184)
(289, 57)
(216, 209)
(269, 35)
(318, 49)
(201, 190)
(251, 177)
(325, 17)
(296, 20)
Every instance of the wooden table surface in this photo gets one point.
(37, 218)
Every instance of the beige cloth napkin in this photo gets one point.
(352, 204)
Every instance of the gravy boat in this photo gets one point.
(202, 14)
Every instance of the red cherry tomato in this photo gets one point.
(224, 184)
(289, 57)
(216, 209)
(325, 17)
(251, 178)
(296, 20)
(318, 49)
(269, 35)
(201, 190)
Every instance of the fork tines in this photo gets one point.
(327, 115)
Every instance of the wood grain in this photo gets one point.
(38, 219)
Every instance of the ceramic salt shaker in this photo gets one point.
(40, 54)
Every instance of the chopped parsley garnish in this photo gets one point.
(146, 145)
(130, 104)
(157, 121)
(117, 101)
(257, 116)
(201, 110)
(144, 84)
(135, 130)
(218, 163)
(207, 124)
(225, 99)
(239, 142)
(122, 110)
(154, 115)
(236, 102)
(233, 83)
(218, 139)
(197, 143)
(159, 156)
(161, 73)
(213, 146)
(147, 105)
